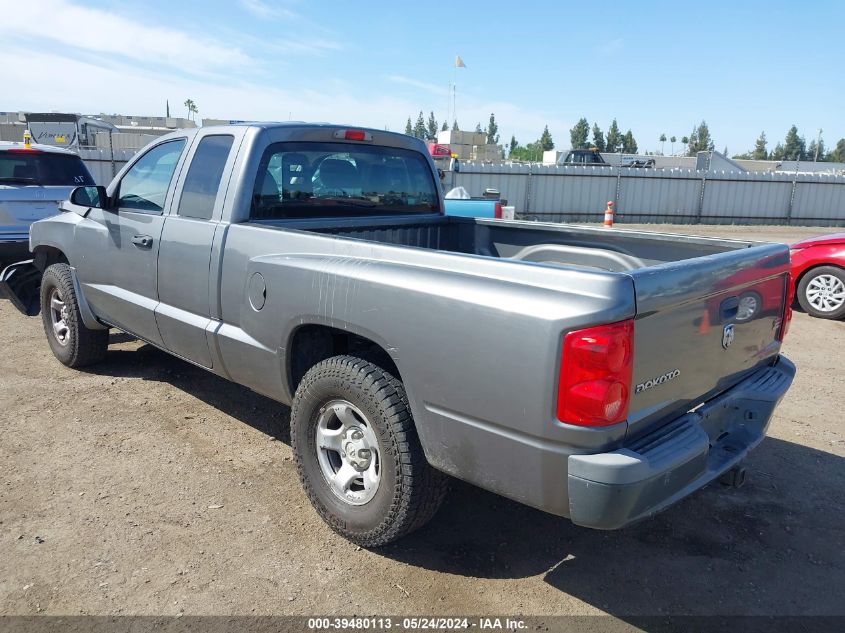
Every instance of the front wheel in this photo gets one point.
(358, 455)
(821, 292)
(72, 343)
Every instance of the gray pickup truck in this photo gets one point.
(596, 374)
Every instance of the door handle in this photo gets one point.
(142, 241)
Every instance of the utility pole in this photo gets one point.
(818, 140)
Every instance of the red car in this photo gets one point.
(818, 271)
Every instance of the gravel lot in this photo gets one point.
(147, 486)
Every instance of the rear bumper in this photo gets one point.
(610, 490)
(14, 247)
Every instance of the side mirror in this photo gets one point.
(90, 197)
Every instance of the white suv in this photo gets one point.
(33, 180)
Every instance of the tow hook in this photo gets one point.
(734, 478)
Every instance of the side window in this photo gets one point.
(145, 185)
(204, 175)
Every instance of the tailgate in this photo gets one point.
(702, 325)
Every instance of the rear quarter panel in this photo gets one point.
(470, 336)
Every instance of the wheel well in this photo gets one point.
(47, 255)
(311, 344)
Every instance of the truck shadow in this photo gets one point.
(149, 363)
(775, 546)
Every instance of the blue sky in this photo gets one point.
(655, 66)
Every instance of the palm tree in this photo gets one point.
(662, 142)
(192, 108)
(672, 140)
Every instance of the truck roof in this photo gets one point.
(267, 125)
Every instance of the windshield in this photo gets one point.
(312, 180)
(32, 167)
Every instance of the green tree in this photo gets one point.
(445, 127)
(777, 152)
(579, 134)
(700, 140)
(598, 138)
(478, 129)
(513, 145)
(614, 137)
(815, 150)
(684, 140)
(662, 140)
(431, 126)
(419, 127)
(492, 131)
(455, 127)
(629, 145)
(837, 154)
(531, 152)
(673, 139)
(793, 146)
(759, 152)
(409, 129)
(546, 142)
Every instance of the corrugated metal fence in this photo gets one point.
(682, 196)
(579, 194)
(104, 164)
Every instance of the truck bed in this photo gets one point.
(584, 247)
(687, 291)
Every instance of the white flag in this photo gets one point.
(459, 63)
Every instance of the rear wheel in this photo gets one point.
(358, 455)
(821, 292)
(72, 343)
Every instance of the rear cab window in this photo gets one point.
(204, 176)
(324, 180)
(46, 169)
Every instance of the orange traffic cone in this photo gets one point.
(608, 215)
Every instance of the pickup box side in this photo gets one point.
(471, 400)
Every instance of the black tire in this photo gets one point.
(79, 346)
(827, 272)
(410, 491)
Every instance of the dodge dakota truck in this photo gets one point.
(600, 375)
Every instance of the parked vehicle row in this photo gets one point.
(564, 367)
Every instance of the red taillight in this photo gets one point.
(498, 212)
(353, 135)
(595, 375)
(23, 150)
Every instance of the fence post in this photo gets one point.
(111, 151)
(528, 191)
(792, 194)
(618, 188)
(701, 199)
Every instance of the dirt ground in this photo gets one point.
(147, 486)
